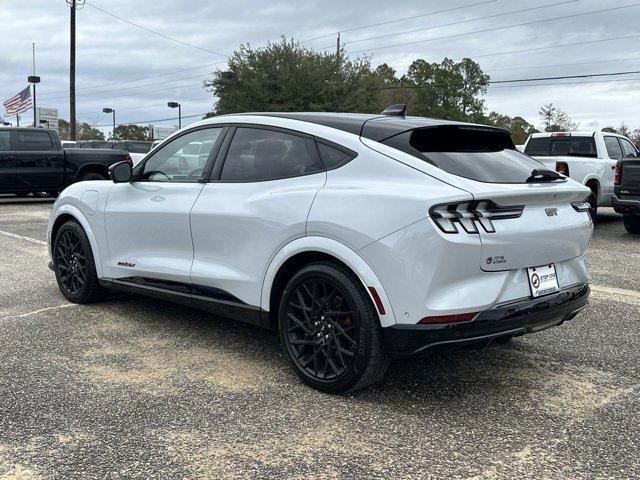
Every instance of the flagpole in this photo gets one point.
(33, 45)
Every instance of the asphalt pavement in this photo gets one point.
(139, 388)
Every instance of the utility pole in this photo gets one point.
(337, 71)
(73, 4)
(338, 49)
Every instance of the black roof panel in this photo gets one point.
(374, 127)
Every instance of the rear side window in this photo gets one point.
(613, 147)
(561, 147)
(482, 154)
(260, 155)
(627, 148)
(5, 141)
(34, 141)
(334, 157)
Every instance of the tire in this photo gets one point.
(593, 206)
(332, 352)
(74, 265)
(92, 176)
(504, 340)
(632, 224)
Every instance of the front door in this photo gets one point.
(147, 220)
(7, 163)
(40, 160)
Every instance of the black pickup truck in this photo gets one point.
(32, 160)
(627, 193)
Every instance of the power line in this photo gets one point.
(100, 93)
(155, 32)
(98, 86)
(460, 22)
(563, 64)
(332, 34)
(493, 29)
(154, 121)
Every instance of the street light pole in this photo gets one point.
(174, 105)
(34, 80)
(111, 110)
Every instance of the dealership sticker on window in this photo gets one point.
(543, 280)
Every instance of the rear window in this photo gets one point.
(482, 154)
(561, 146)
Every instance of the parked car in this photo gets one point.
(627, 188)
(355, 237)
(69, 144)
(32, 160)
(588, 157)
(138, 149)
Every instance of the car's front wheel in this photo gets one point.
(330, 330)
(632, 223)
(74, 265)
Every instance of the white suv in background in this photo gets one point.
(356, 237)
(589, 158)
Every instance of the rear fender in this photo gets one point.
(340, 252)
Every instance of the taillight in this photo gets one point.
(128, 159)
(563, 168)
(466, 214)
(617, 176)
(458, 317)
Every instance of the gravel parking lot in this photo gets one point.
(140, 388)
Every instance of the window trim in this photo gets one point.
(216, 174)
(139, 169)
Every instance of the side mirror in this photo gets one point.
(121, 172)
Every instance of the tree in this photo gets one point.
(285, 76)
(132, 132)
(556, 120)
(84, 131)
(448, 90)
(519, 128)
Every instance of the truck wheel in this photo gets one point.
(632, 224)
(330, 330)
(92, 176)
(593, 206)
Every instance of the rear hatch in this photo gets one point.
(630, 178)
(525, 213)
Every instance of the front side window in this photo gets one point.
(5, 141)
(259, 155)
(183, 159)
(34, 141)
(627, 148)
(613, 147)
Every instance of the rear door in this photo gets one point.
(257, 202)
(40, 160)
(8, 172)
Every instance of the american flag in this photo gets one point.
(19, 103)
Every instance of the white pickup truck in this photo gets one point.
(587, 157)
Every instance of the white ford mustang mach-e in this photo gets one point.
(356, 237)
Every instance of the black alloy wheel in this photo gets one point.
(330, 329)
(74, 265)
(321, 329)
(71, 262)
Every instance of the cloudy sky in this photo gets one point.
(136, 72)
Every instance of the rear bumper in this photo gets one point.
(510, 319)
(626, 207)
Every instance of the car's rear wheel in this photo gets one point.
(593, 205)
(632, 223)
(74, 265)
(330, 330)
